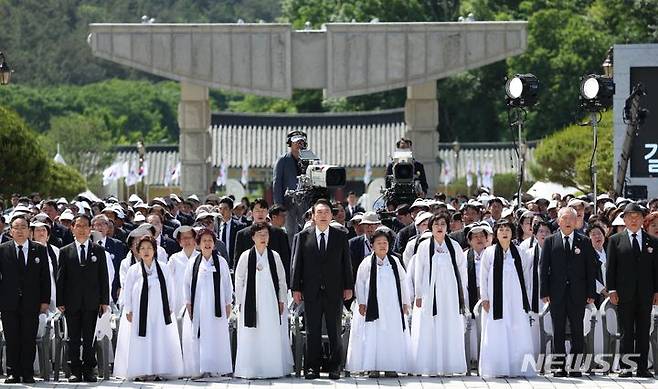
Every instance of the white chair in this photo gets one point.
(477, 314)
(611, 334)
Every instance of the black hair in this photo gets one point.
(321, 202)
(277, 209)
(503, 223)
(434, 218)
(378, 233)
(254, 228)
(83, 216)
(539, 224)
(261, 203)
(228, 201)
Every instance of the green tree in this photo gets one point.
(564, 157)
(62, 181)
(84, 142)
(24, 163)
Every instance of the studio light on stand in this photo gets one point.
(596, 92)
(5, 70)
(521, 91)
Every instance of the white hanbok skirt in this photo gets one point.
(506, 342)
(382, 344)
(206, 340)
(159, 352)
(438, 343)
(264, 351)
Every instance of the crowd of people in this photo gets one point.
(179, 269)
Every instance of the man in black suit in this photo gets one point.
(278, 238)
(360, 246)
(24, 293)
(352, 206)
(117, 250)
(568, 273)
(409, 231)
(228, 229)
(164, 241)
(82, 295)
(632, 281)
(322, 277)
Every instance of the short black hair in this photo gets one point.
(539, 224)
(228, 201)
(381, 232)
(504, 223)
(277, 209)
(322, 202)
(435, 218)
(261, 203)
(254, 228)
(82, 216)
(351, 193)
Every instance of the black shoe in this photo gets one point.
(12, 379)
(560, 374)
(575, 374)
(391, 374)
(640, 373)
(334, 375)
(75, 378)
(311, 375)
(90, 377)
(626, 374)
(28, 380)
(373, 374)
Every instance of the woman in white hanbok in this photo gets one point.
(506, 336)
(409, 253)
(208, 297)
(154, 347)
(41, 234)
(261, 292)
(379, 337)
(177, 264)
(440, 280)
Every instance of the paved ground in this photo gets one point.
(475, 382)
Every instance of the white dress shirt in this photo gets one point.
(326, 236)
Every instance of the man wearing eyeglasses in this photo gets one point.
(24, 293)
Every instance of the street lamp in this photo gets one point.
(608, 62)
(456, 147)
(5, 70)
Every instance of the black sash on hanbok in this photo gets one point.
(472, 286)
(144, 298)
(216, 280)
(52, 256)
(499, 258)
(535, 280)
(460, 292)
(372, 309)
(250, 298)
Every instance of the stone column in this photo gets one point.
(195, 146)
(421, 112)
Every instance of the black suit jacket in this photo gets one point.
(233, 233)
(278, 242)
(634, 280)
(82, 287)
(403, 237)
(576, 269)
(169, 245)
(32, 283)
(313, 272)
(357, 252)
(118, 252)
(348, 214)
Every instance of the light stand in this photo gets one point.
(595, 96)
(521, 91)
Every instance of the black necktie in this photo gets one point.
(567, 247)
(100, 243)
(535, 280)
(323, 244)
(83, 256)
(224, 234)
(636, 246)
(21, 255)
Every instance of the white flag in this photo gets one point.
(132, 177)
(111, 173)
(244, 178)
(175, 175)
(367, 174)
(469, 171)
(143, 170)
(478, 174)
(223, 171)
(446, 173)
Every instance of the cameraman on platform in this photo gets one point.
(286, 170)
(419, 169)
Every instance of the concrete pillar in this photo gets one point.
(194, 146)
(421, 113)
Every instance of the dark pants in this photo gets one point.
(20, 330)
(575, 313)
(81, 325)
(331, 309)
(634, 322)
